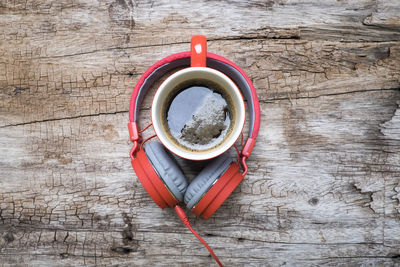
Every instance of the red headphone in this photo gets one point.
(157, 169)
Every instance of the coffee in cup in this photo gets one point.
(198, 114)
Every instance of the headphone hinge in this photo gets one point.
(248, 147)
(132, 153)
(134, 132)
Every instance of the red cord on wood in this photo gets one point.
(147, 139)
(244, 165)
(145, 128)
(185, 221)
(238, 153)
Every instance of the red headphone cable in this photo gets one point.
(185, 221)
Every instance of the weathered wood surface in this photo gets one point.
(324, 180)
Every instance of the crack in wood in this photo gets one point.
(266, 101)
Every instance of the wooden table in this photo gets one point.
(324, 179)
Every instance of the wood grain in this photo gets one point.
(324, 179)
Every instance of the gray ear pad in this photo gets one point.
(167, 168)
(203, 182)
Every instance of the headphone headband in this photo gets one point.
(214, 61)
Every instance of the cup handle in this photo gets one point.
(198, 51)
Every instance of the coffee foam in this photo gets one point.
(209, 120)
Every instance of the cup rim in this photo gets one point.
(220, 148)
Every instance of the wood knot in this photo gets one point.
(64, 255)
(313, 201)
(18, 90)
(9, 237)
(123, 249)
(121, 13)
(394, 256)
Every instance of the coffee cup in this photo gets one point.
(198, 112)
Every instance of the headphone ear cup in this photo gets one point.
(219, 192)
(205, 179)
(167, 169)
(151, 181)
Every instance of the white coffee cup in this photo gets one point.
(186, 75)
